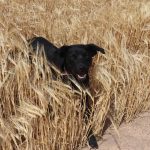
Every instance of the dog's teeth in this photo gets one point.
(82, 77)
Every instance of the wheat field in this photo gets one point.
(39, 113)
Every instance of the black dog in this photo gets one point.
(75, 60)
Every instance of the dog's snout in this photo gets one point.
(82, 68)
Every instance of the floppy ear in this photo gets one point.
(63, 50)
(93, 49)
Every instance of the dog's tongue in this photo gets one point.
(81, 76)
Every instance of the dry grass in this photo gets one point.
(120, 80)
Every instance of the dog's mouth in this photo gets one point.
(81, 77)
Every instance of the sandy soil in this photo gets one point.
(132, 136)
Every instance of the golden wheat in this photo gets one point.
(120, 80)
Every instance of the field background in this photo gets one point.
(120, 79)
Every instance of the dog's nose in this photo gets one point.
(82, 68)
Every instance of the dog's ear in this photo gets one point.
(93, 49)
(63, 50)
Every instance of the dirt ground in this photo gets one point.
(132, 136)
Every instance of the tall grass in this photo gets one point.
(37, 112)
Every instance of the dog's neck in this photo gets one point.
(85, 82)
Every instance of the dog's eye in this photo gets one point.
(86, 56)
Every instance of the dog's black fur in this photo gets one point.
(75, 60)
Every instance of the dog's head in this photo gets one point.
(78, 58)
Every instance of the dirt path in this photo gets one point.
(132, 136)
